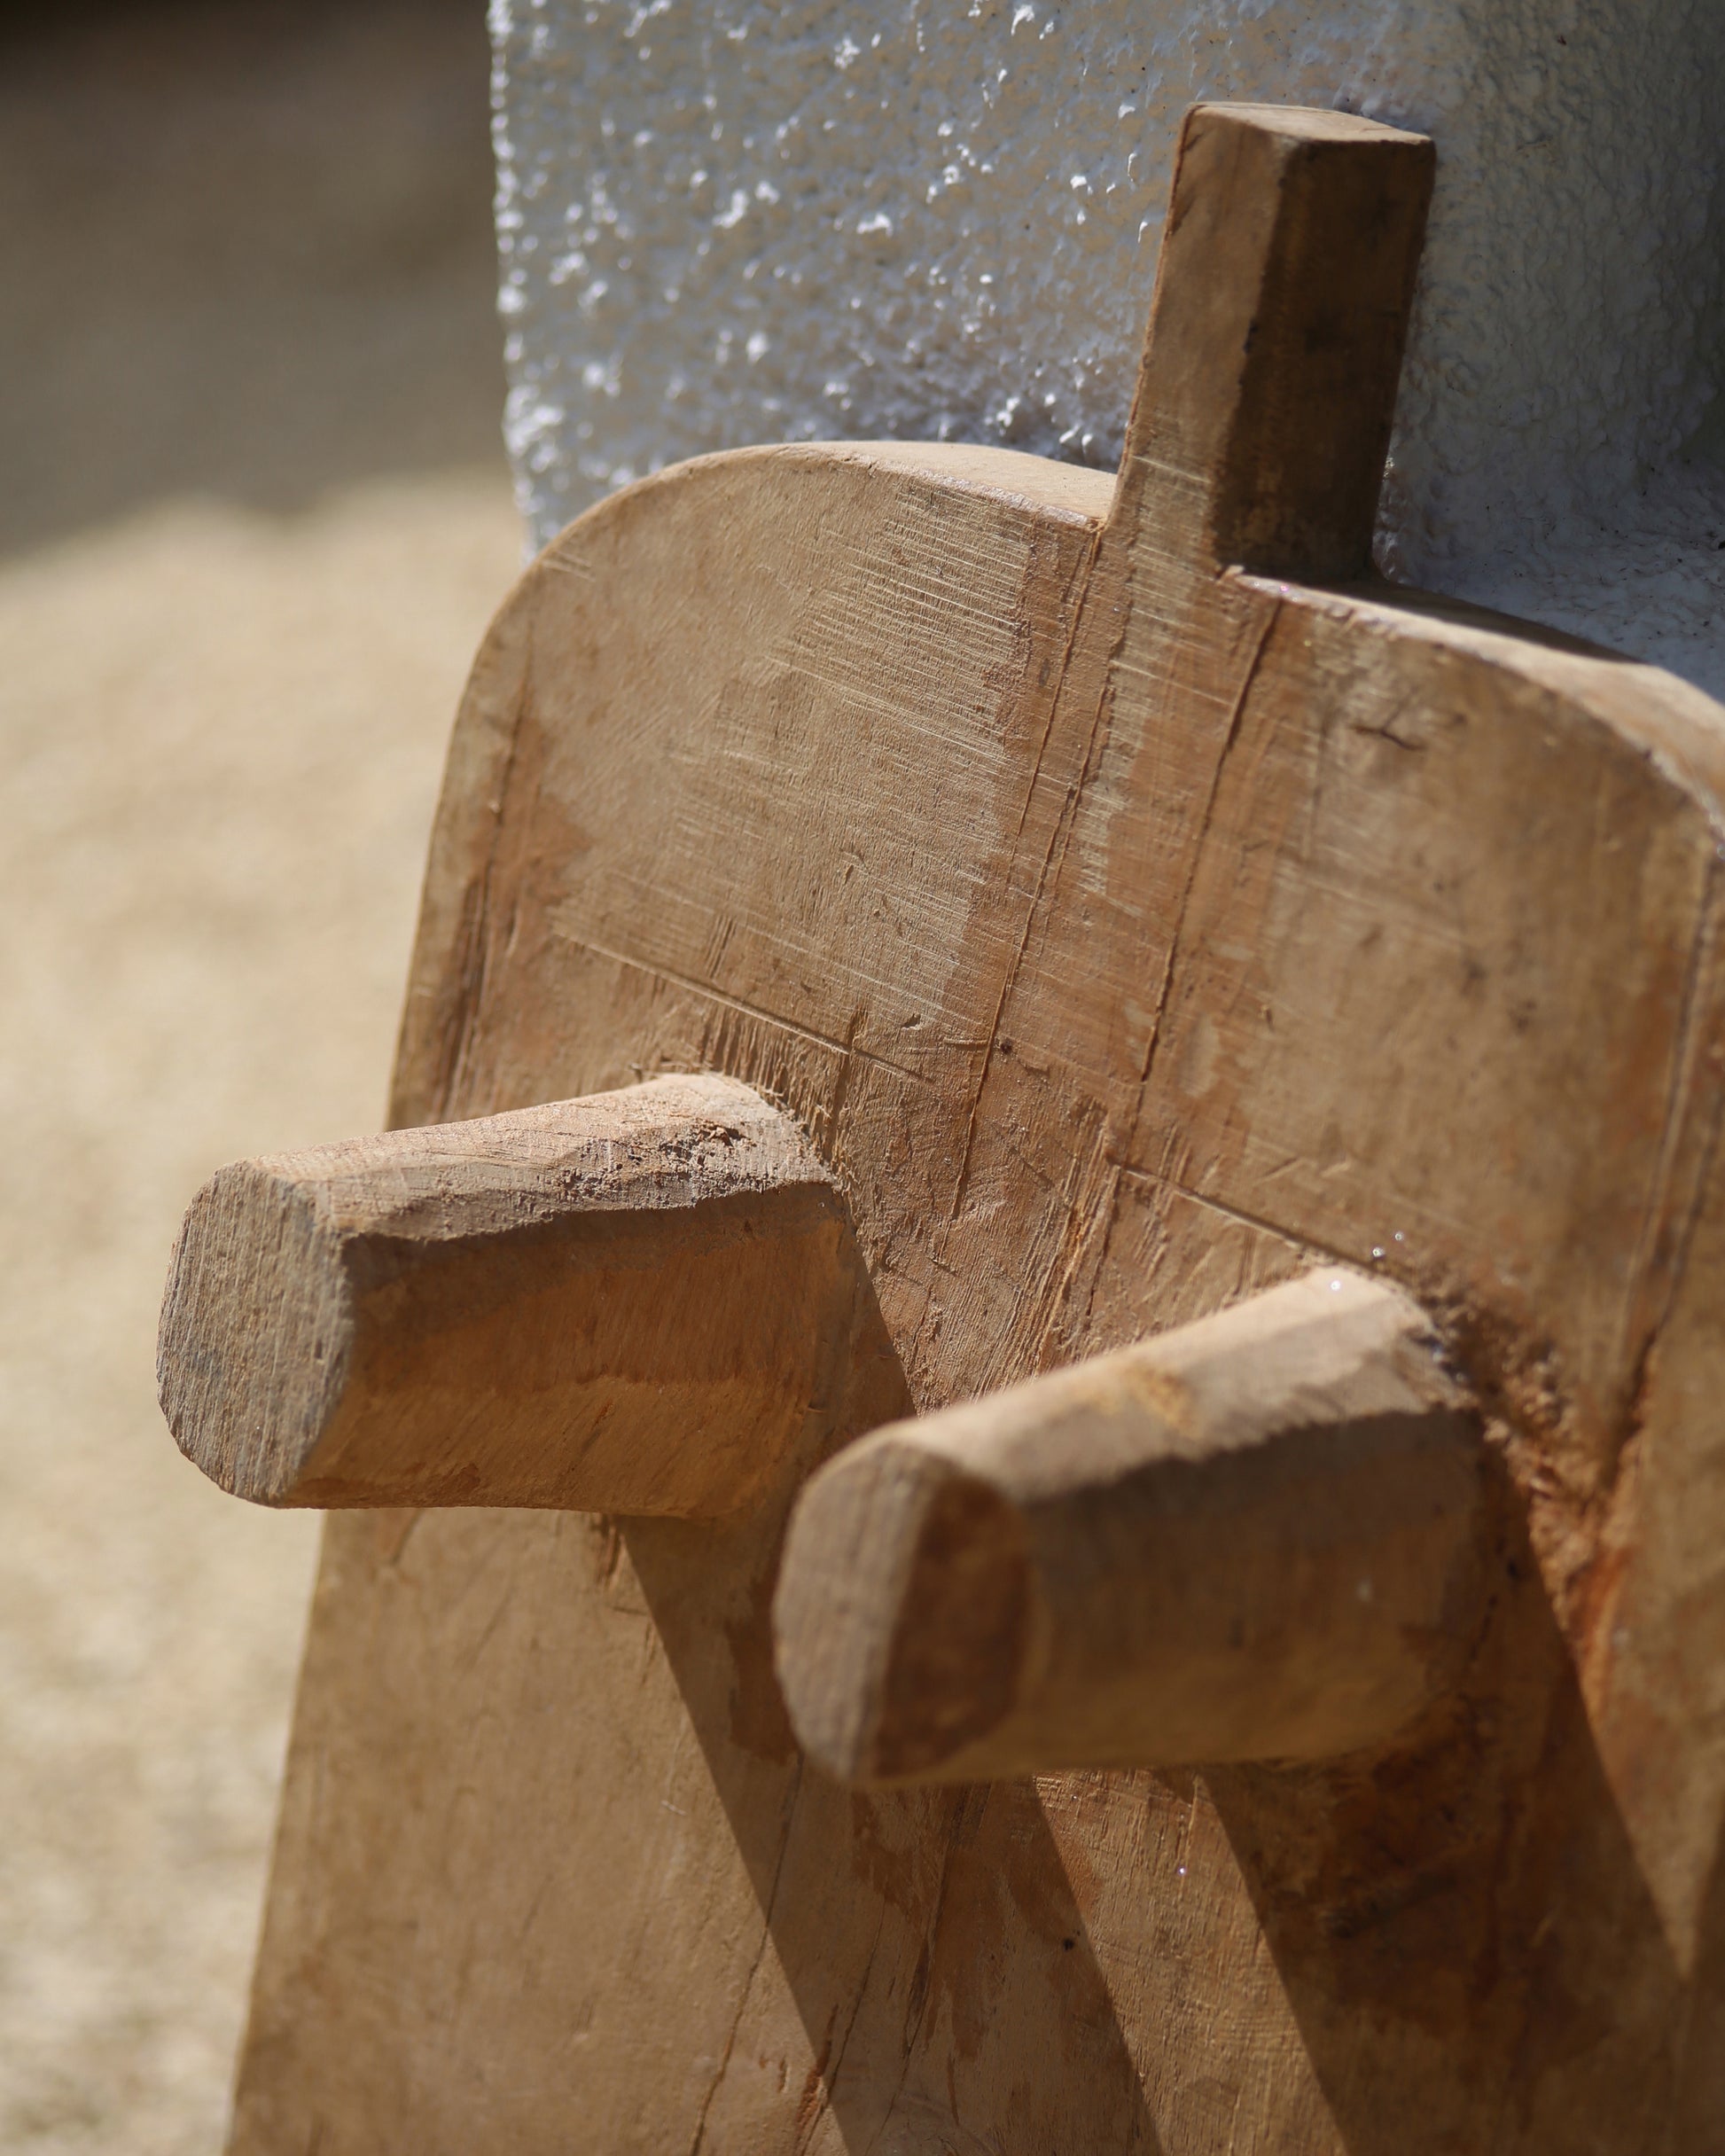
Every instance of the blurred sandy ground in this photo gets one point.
(252, 515)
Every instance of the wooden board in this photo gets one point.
(1129, 925)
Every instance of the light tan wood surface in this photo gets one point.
(624, 1304)
(1255, 1538)
(1130, 927)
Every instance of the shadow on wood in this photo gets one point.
(1466, 1915)
(932, 1941)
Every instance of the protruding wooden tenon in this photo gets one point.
(1263, 407)
(1253, 1538)
(616, 1304)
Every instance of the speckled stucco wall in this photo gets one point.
(732, 221)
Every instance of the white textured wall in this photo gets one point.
(733, 221)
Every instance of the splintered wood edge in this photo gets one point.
(516, 1310)
(1254, 1537)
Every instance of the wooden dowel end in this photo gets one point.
(620, 1304)
(1253, 1538)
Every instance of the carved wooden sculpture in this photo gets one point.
(1113, 925)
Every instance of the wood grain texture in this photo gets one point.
(1254, 1538)
(624, 1303)
(1130, 931)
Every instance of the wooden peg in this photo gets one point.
(1253, 1538)
(615, 1304)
